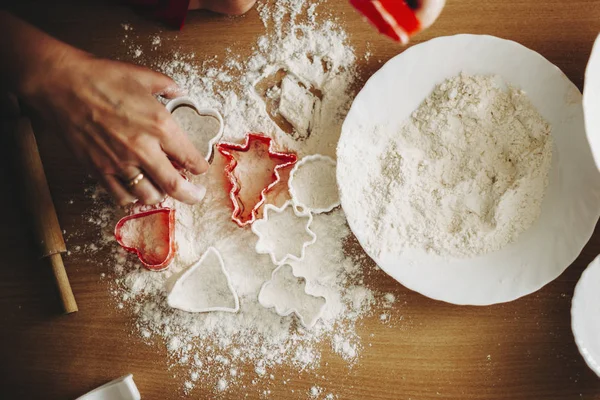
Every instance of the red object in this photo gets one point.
(394, 18)
(173, 12)
(227, 149)
(152, 258)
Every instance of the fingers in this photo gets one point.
(157, 83)
(180, 149)
(116, 189)
(170, 180)
(144, 190)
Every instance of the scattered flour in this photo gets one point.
(464, 176)
(214, 349)
(297, 105)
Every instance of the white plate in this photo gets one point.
(585, 315)
(591, 101)
(571, 205)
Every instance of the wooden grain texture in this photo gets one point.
(432, 350)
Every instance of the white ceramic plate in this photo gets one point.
(591, 101)
(571, 205)
(585, 315)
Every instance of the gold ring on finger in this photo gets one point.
(135, 180)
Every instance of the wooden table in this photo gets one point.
(520, 350)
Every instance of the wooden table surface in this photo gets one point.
(520, 350)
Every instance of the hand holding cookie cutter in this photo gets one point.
(157, 254)
(227, 149)
(191, 103)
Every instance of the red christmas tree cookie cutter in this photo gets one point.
(154, 255)
(227, 150)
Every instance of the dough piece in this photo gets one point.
(297, 106)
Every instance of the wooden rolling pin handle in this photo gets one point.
(62, 282)
(38, 201)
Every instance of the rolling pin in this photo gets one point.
(39, 206)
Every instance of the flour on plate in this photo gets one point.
(465, 175)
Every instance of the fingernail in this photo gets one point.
(175, 91)
(197, 191)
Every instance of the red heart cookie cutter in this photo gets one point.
(228, 150)
(153, 240)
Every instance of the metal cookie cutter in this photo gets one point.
(272, 235)
(228, 150)
(148, 253)
(314, 191)
(191, 103)
(192, 292)
(286, 292)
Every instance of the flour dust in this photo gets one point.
(465, 175)
(215, 349)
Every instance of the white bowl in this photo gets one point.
(571, 205)
(585, 315)
(591, 101)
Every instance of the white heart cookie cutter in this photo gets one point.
(300, 204)
(210, 112)
(264, 246)
(269, 299)
(182, 286)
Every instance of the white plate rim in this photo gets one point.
(591, 99)
(580, 320)
(502, 292)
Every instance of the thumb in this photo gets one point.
(159, 84)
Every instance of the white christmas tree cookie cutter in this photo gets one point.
(209, 144)
(286, 293)
(195, 291)
(284, 235)
(313, 184)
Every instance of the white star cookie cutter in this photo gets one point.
(205, 287)
(283, 233)
(207, 143)
(286, 293)
(313, 184)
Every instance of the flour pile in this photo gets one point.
(214, 349)
(465, 175)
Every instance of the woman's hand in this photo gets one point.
(105, 111)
